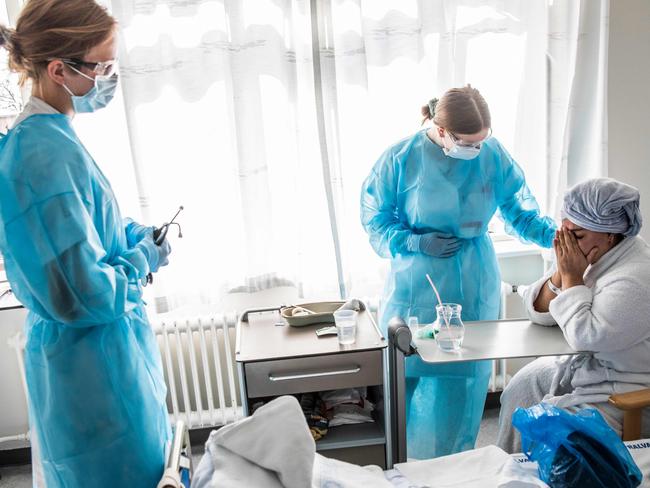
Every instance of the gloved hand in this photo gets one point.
(435, 244)
(157, 256)
(135, 232)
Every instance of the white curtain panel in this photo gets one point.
(220, 104)
(578, 38)
(386, 59)
(263, 117)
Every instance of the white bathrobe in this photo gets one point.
(610, 316)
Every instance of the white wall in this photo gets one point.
(13, 407)
(629, 98)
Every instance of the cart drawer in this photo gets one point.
(316, 373)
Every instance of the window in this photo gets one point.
(383, 60)
(11, 101)
(221, 109)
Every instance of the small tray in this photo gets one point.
(323, 313)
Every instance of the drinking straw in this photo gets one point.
(435, 290)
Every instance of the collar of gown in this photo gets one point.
(33, 107)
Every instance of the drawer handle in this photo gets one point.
(287, 377)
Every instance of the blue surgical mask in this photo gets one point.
(459, 151)
(97, 97)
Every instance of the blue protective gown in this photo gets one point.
(94, 374)
(415, 188)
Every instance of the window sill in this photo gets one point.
(508, 247)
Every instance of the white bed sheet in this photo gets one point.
(640, 451)
(488, 466)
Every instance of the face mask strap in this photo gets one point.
(68, 90)
(81, 73)
(451, 138)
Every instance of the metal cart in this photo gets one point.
(484, 340)
(275, 359)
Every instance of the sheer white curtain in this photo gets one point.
(578, 86)
(219, 100)
(386, 59)
(263, 118)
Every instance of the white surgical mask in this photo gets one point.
(97, 97)
(462, 152)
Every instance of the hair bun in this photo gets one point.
(9, 41)
(432, 106)
(6, 35)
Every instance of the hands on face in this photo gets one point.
(571, 261)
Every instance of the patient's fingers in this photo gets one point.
(562, 238)
(559, 255)
(568, 246)
(573, 243)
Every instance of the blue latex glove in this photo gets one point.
(135, 232)
(157, 256)
(435, 244)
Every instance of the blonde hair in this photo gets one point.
(460, 111)
(50, 29)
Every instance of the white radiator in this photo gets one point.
(199, 366)
(200, 371)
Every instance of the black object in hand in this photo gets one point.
(160, 233)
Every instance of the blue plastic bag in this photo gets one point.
(575, 450)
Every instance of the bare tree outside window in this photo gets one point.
(11, 103)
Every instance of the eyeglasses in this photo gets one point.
(102, 68)
(475, 145)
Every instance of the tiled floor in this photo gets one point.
(489, 428)
(21, 476)
(16, 477)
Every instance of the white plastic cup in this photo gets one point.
(413, 324)
(346, 326)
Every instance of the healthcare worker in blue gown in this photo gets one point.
(426, 206)
(94, 374)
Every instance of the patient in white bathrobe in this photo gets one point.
(599, 295)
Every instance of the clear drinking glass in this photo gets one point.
(449, 328)
(418, 330)
(346, 326)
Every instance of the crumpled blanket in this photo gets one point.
(273, 448)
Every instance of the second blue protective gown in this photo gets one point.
(93, 369)
(415, 188)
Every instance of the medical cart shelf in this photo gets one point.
(276, 359)
(347, 436)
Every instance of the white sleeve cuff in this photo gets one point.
(566, 305)
(530, 295)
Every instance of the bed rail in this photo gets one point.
(178, 466)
